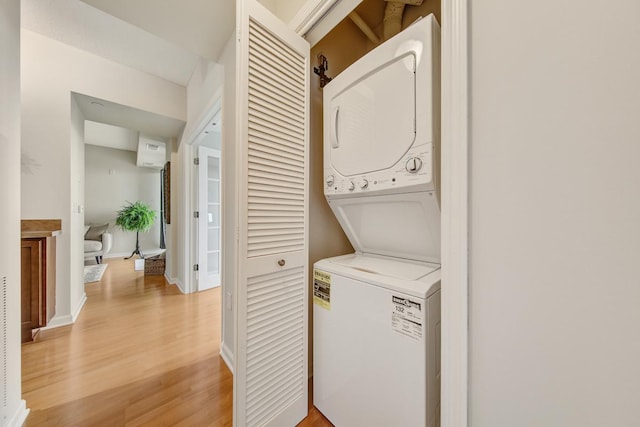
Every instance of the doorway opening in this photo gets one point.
(207, 179)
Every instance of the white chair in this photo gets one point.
(97, 248)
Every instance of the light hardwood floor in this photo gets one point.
(140, 353)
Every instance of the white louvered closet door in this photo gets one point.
(270, 382)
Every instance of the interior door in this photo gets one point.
(270, 381)
(209, 230)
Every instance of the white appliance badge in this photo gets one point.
(407, 317)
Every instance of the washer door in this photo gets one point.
(399, 225)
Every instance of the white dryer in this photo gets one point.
(377, 312)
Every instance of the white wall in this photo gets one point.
(50, 72)
(208, 83)
(12, 408)
(76, 226)
(554, 214)
(203, 88)
(112, 180)
(181, 221)
(205, 82)
(229, 202)
(170, 236)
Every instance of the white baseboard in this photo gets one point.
(170, 280)
(174, 281)
(76, 312)
(20, 416)
(67, 319)
(227, 356)
(179, 285)
(117, 255)
(147, 253)
(58, 321)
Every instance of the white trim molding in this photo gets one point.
(20, 416)
(79, 307)
(309, 14)
(455, 170)
(180, 286)
(317, 17)
(227, 355)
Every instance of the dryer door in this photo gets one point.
(371, 123)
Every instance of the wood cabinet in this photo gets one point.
(38, 272)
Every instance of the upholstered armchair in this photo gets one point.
(97, 242)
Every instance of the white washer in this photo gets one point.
(376, 313)
(376, 342)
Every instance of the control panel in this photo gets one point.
(414, 169)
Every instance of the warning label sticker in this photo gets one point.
(322, 289)
(407, 317)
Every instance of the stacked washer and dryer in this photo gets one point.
(376, 317)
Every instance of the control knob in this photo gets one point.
(352, 186)
(330, 180)
(364, 184)
(413, 165)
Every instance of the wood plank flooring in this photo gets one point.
(140, 354)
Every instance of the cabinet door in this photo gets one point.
(31, 270)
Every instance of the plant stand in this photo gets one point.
(137, 249)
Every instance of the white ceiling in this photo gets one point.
(111, 113)
(77, 24)
(201, 26)
(165, 38)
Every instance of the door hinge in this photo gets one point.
(196, 267)
(196, 161)
(196, 214)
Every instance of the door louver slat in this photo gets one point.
(256, 164)
(272, 223)
(274, 136)
(266, 99)
(262, 37)
(256, 232)
(282, 67)
(267, 195)
(268, 109)
(263, 140)
(259, 152)
(258, 65)
(271, 125)
(271, 173)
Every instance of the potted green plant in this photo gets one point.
(137, 217)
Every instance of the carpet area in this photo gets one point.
(93, 273)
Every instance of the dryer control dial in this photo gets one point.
(352, 186)
(330, 180)
(413, 165)
(364, 184)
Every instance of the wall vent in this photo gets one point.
(5, 342)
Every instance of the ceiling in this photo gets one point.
(200, 26)
(167, 39)
(99, 110)
(77, 24)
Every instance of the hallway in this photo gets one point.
(140, 353)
